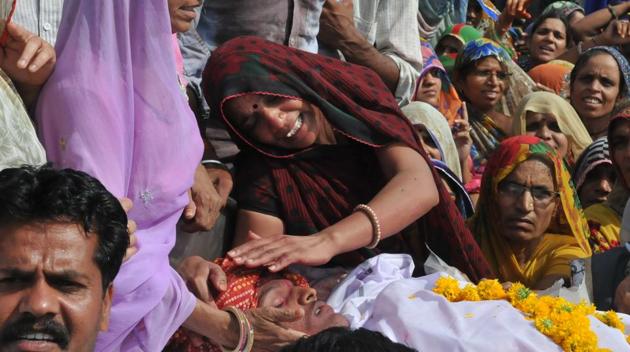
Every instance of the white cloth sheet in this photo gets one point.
(381, 295)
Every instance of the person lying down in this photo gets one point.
(381, 295)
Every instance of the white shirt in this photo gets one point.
(392, 27)
(381, 295)
(41, 17)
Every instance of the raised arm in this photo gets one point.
(409, 193)
(28, 60)
(395, 55)
(617, 33)
(591, 25)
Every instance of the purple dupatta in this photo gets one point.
(113, 108)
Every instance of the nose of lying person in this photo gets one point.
(306, 295)
(40, 300)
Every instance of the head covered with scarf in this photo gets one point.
(242, 292)
(622, 62)
(594, 155)
(566, 117)
(315, 189)
(449, 103)
(420, 113)
(479, 49)
(553, 74)
(464, 34)
(510, 154)
(563, 8)
(518, 83)
(621, 118)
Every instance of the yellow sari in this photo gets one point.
(555, 251)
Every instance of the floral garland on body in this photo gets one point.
(566, 323)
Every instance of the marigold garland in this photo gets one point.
(565, 323)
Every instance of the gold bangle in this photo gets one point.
(243, 334)
(376, 226)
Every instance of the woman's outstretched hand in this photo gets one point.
(279, 251)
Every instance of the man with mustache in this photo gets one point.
(63, 237)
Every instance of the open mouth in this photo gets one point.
(296, 127)
(490, 94)
(591, 100)
(547, 49)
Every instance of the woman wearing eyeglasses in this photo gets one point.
(529, 223)
(481, 75)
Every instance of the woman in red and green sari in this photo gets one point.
(320, 137)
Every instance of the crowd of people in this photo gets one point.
(197, 175)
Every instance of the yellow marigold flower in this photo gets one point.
(611, 319)
(545, 325)
(469, 293)
(447, 287)
(490, 289)
(518, 292)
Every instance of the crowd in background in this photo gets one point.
(295, 134)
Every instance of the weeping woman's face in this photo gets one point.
(274, 120)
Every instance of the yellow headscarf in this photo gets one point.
(568, 120)
(560, 247)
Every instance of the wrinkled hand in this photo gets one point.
(461, 134)
(268, 334)
(336, 22)
(196, 272)
(622, 296)
(278, 252)
(208, 195)
(26, 58)
(132, 249)
(617, 33)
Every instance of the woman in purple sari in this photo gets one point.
(113, 108)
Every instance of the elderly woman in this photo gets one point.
(600, 78)
(327, 158)
(552, 119)
(528, 221)
(605, 218)
(549, 37)
(594, 174)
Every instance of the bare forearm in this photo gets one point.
(571, 55)
(591, 24)
(406, 197)
(358, 50)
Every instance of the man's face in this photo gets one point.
(51, 296)
(318, 315)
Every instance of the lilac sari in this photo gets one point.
(113, 108)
